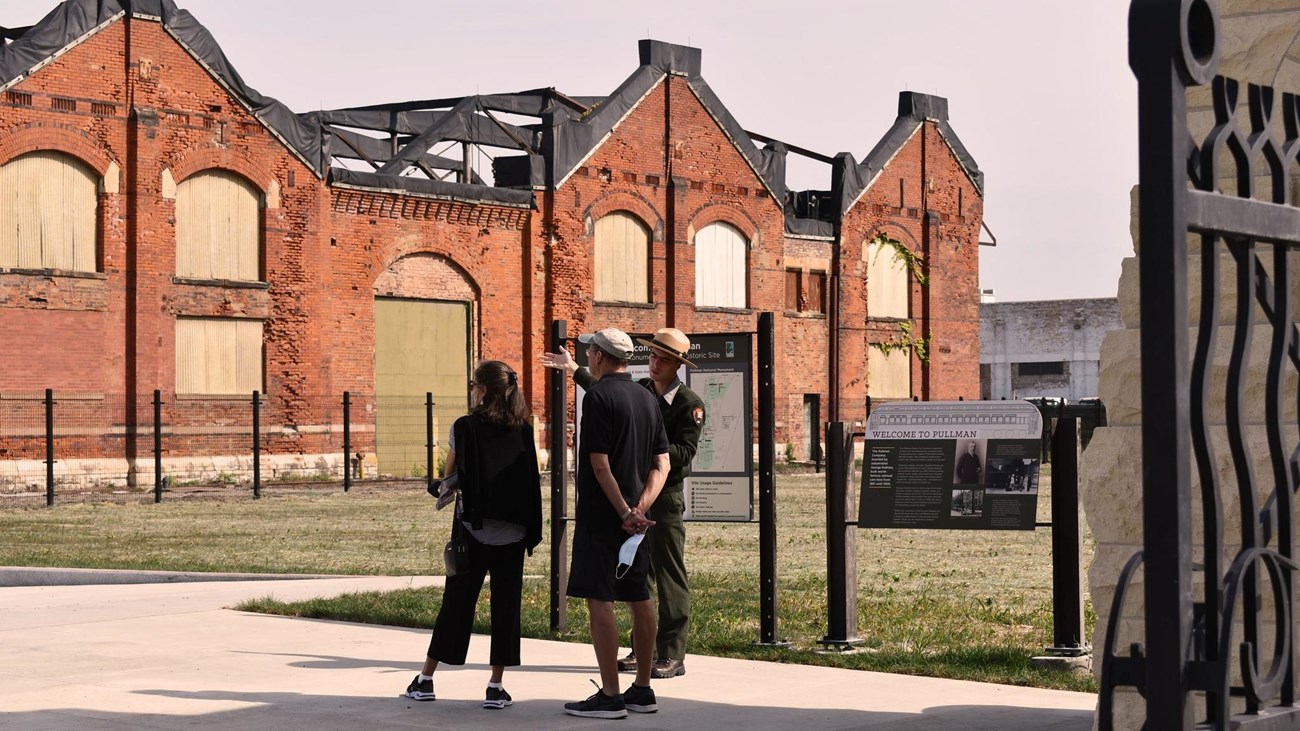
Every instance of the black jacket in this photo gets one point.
(497, 469)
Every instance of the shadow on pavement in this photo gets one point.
(290, 711)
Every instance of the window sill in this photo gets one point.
(724, 310)
(245, 397)
(805, 315)
(69, 273)
(889, 319)
(227, 283)
(633, 305)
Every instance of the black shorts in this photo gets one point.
(595, 558)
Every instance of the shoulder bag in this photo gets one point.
(455, 555)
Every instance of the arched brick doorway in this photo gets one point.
(425, 311)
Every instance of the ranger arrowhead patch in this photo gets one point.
(698, 414)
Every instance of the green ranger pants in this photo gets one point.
(668, 571)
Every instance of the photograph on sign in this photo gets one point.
(969, 465)
(967, 470)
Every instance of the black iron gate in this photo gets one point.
(1215, 654)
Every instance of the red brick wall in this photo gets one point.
(946, 311)
(326, 248)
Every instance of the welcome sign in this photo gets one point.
(952, 464)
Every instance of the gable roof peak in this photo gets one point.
(670, 57)
(918, 106)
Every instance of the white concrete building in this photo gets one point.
(1047, 348)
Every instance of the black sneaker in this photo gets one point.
(420, 690)
(497, 698)
(598, 705)
(640, 700)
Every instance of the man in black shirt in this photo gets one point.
(622, 465)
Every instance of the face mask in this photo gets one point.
(627, 554)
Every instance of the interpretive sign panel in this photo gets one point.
(951, 464)
(721, 485)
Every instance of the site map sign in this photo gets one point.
(721, 485)
(969, 465)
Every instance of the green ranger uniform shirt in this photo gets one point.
(683, 420)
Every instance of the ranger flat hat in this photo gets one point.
(671, 342)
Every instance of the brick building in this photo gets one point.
(163, 226)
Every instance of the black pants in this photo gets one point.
(451, 630)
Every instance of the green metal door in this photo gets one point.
(421, 346)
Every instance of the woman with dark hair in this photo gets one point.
(500, 510)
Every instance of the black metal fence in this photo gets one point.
(64, 442)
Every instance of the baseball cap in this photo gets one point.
(611, 340)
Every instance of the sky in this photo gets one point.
(1038, 90)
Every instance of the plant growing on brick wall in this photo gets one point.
(914, 263)
(906, 341)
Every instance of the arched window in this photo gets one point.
(622, 255)
(218, 227)
(48, 205)
(889, 284)
(720, 266)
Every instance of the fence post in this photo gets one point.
(841, 542)
(767, 481)
(818, 450)
(157, 446)
(428, 439)
(347, 441)
(49, 447)
(559, 398)
(1067, 547)
(257, 445)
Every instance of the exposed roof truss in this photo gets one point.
(412, 139)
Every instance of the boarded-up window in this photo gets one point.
(622, 255)
(888, 283)
(889, 375)
(805, 291)
(218, 356)
(720, 266)
(48, 205)
(792, 289)
(218, 226)
(815, 293)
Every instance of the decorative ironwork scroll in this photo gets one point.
(1218, 647)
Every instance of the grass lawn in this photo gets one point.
(959, 604)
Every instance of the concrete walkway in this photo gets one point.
(170, 656)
